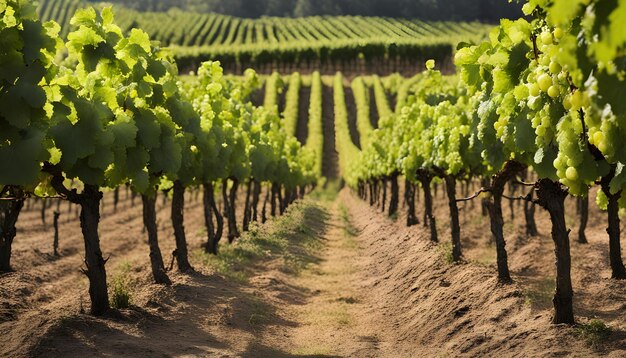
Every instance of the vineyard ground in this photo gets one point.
(333, 277)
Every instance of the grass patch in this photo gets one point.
(485, 256)
(594, 333)
(311, 350)
(326, 191)
(120, 287)
(293, 236)
(334, 315)
(539, 292)
(445, 249)
(349, 300)
(348, 229)
(259, 312)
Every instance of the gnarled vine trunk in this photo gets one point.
(89, 201)
(409, 197)
(281, 200)
(178, 209)
(233, 231)
(551, 196)
(214, 230)
(96, 272)
(116, 198)
(455, 227)
(55, 223)
(615, 256)
(247, 210)
(498, 183)
(425, 179)
(156, 259)
(395, 194)
(613, 230)
(9, 213)
(384, 202)
(275, 189)
(529, 215)
(264, 210)
(255, 200)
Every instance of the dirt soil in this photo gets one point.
(331, 278)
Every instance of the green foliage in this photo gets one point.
(314, 146)
(348, 229)
(594, 333)
(425, 9)
(26, 68)
(445, 248)
(196, 37)
(291, 106)
(120, 288)
(545, 91)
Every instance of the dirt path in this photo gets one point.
(335, 320)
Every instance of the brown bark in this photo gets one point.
(613, 230)
(55, 242)
(214, 230)
(281, 200)
(498, 183)
(273, 206)
(247, 212)
(96, 272)
(384, 200)
(9, 213)
(255, 200)
(409, 197)
(178, 210)
(116, 198)
(233, 231)
(156, 259)
(551, 196)
(395, 194)
(264, 210)
(425, 179)
(89, 201)
(455, 227)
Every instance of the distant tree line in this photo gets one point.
(454, 10)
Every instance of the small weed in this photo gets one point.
(594, 333)
(259, 314)
(312, 351)
(446, 251)
(120, 288)
(348, 229)
(539, 292)
(343, 318)
(348, 300)
(326, 191)
(394, 216)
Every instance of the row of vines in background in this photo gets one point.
(348, 43)
(115, 113)
(542, 99)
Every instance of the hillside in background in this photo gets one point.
(434, 10)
